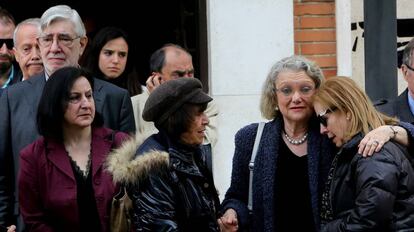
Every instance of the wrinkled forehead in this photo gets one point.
(178, 64)
(27, 31)
(6, 30)
(59, 26)
(293, 77)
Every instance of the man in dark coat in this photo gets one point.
(62, 41)
(403, 106)
(9, 69)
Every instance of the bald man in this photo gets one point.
(167, 63)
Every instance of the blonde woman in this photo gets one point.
(362, 194)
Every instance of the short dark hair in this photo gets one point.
(54, 101)
(129, 79)
(157, 60)
(6, 17)
(179, 121)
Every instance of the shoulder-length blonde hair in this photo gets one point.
(268, 101)
(343, 94)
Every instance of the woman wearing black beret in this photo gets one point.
(168, 180)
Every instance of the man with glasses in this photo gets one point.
(62, 41)
(9, 70)
(26, 49)
(402, 106)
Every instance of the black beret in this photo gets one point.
(170, 96)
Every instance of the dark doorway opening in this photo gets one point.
(150, 23)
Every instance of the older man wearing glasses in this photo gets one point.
(62, 41)
(402, 107)
(9, 70)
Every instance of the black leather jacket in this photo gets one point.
(171, 188)
(372, 194)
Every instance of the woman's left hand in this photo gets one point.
(374, 141)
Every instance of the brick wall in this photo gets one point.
(315, 35)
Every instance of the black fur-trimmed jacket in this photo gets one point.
(169, 184)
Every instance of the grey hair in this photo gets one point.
(295, 63)
(63, 12)
(31, 21)
(408, 53)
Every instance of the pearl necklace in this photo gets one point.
(296, 141)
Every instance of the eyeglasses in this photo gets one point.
(62, 40)
(322, 116)
(288, 91)
(8, 42)
(409, 67)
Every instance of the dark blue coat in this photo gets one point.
(397, 107)
(320, 153)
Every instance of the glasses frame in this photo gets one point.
(409, 67)
(58, 40)
(323, 120)
(307, 94)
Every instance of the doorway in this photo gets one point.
(150, 24)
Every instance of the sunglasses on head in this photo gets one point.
(322, 116)
(8, 42)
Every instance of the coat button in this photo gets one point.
(206, 185)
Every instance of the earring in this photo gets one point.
(276, 108)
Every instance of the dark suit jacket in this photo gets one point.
(48, 193)
(397, 107)
(17, 76)
(18, 128)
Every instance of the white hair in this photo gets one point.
(63, 12)
(32, 21)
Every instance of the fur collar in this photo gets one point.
(127, 168)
